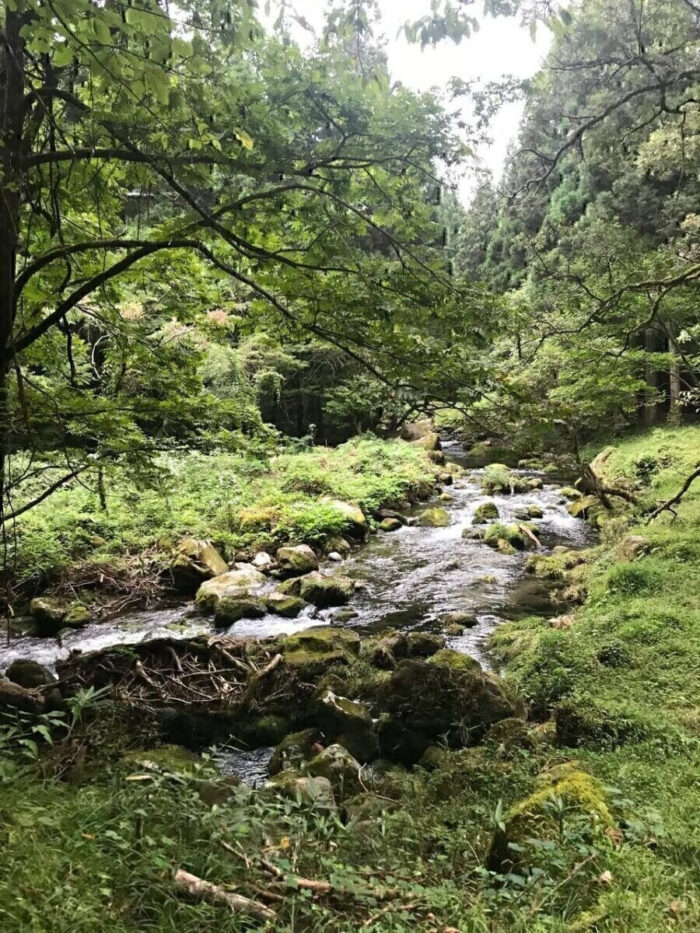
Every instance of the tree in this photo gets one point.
(146, 152)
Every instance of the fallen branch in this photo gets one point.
(296, 881)
(531, 535)
(255, 680)
(675, 500)
(206, 891)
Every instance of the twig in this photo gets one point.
(205, 890)
(295, 881)
(390, 908)
(675, 500)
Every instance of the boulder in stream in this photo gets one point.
(297, 560)
(348, 722)
(48, 614)
(324, 591)
(284, 604)
(486, 512)
(196, 560)
(230, 609)
(294, 749)
(434, 518)
(236, 583)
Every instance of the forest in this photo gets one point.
(349, 485)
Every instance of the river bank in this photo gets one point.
(555, 822)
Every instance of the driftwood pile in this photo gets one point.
(217, 673)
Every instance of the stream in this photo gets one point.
(406, 579)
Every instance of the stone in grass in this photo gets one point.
(314, 792)
(324, 591)
(298, 560)
(434, 518)
(354, 517)
(28, 673)
(337, 765)
(533, 817)
(486, 512)
(235, 583)
(294, 749)
(283, 604)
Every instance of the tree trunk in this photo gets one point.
(674, 384)
(11, 120)
(651, 377)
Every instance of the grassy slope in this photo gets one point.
(99, 857)
(235, 500)
(630, 668)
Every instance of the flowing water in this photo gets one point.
(406, 579)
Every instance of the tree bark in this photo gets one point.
(674, 389)
(11, 120)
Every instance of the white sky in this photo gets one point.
(500, 47)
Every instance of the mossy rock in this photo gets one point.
(366, 808)
(290, 587)
(346, 721)
(570, 492)
(584, 507)
(390, 524)
(532, 817)
(294, 749)
(512, 535)
(284, 605)
(534, 511)
(434, 518)
(48, 614)
(298, 560)
(423, 644)
(28, 673)
(498, 478)
(338, 545)
(426, 701)
(486, 512)
(457, 660)
(231, 609)
(314, 792)
(509, 737)
(268, 730)
(172, 759)
(353, 516)
(534, 483)
(196, 560)
(433, 758)
(430, 441)
(340, 768)
(236, 583)
(324, 591)
(314, 650)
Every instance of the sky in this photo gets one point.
(500, 47)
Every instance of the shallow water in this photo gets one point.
(408, 578)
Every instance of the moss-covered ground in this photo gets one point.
(238, 501)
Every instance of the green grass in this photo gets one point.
(237, 501)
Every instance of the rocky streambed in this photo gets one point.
(382, 659)
(408, 578)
